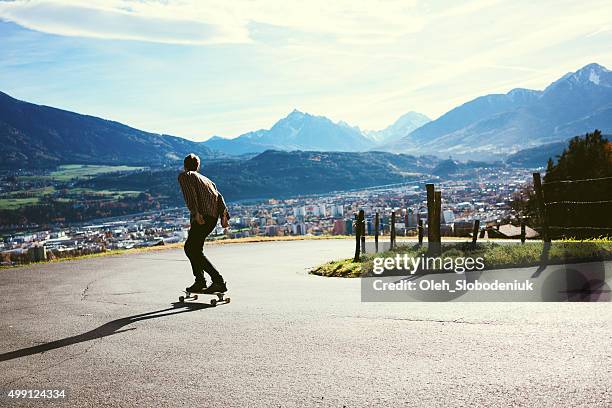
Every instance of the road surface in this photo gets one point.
(105, 329)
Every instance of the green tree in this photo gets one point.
(589, 156)
(586, 157)
(581, 204)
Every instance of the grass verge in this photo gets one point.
(496, 255)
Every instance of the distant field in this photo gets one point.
(69, 172)
(14, 203)
(8, 202)
(57, 190)
(73, 171)
(107, 193)
(35, 192)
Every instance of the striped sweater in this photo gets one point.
(201, 194)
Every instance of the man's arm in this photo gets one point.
(222, 210)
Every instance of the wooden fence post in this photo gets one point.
(430, 211)
(438, 197)
(523, 234)
(475, 231)
(420, 231)
(537, 186)
(392, 243)
(376, 225)
(357, 236)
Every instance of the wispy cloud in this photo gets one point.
(214, 21)
(120, 20)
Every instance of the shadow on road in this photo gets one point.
(107, 329)
(543, 260)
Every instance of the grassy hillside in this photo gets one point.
(281, 174)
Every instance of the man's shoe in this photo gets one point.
(216, 287)
(198, 286)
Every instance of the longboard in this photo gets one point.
(213, 302)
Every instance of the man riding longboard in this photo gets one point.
(206, 206)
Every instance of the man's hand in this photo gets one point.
(199, 219)
(225, 219)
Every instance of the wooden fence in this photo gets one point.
(569, 208)
(574, 208)
(434, 210)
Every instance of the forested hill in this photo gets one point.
(282, 174)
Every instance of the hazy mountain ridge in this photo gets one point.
(401, 127)
(303, 131)
(233, 147)
(536, 156)
(297, 131)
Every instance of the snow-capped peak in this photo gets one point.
(590, 73)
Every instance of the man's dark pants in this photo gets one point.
(194, 249)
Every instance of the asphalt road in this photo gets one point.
(106, 330)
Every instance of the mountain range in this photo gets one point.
(297, 131)
(303, 131)
(500, 124)
(490, 127)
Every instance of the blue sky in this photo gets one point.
(197, 68)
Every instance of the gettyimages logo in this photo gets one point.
(411, 265)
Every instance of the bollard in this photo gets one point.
(376, 226)
(475, 230)
(420, 231)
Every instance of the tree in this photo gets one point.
(582, 209)
(586, 157)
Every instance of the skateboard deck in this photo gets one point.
(213, 302)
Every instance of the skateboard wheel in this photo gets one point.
(213, 302)
(227, 300)
(181, 299)
(195, 297)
